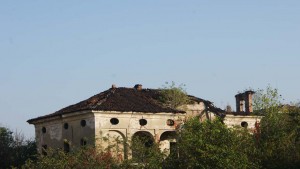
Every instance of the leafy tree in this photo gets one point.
(211, 144)
(174, 96)
(279, 141)
(14, 149)
(146, 155)
(6, 147)
(267, 100)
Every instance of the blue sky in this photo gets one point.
(57, 53)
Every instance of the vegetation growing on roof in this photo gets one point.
(174, 96)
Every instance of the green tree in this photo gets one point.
(145, 155)
(211, 144)
(279, 140)
(6, 147)
(15, 149)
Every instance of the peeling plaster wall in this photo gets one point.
(198, 109)
(53, 135)
(129, 124)
(56, 134)
(195, 109)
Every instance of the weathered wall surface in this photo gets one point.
(129, 124)
(232, 120)
(53, 133)
(198, 109)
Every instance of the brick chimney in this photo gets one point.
(113, 86)
(244, 100)
(239, 102)
(248, 101)
(138, 87)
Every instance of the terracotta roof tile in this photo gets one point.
(126, 100)
(118, 99)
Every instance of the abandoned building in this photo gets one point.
(243, 116)
(125, 113)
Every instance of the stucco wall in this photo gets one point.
(129, 125)
(232, 120)
(56, 135)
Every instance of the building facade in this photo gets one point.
(121, 114)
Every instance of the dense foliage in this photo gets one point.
(279, 141)
(14, 149)
(211, 144)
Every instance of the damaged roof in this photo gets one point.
(125, 100)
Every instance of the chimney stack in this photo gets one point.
(248, 101)
(239, 102)
(113, 86)
(244, 100)
(138, 87)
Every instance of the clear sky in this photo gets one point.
(57, 53)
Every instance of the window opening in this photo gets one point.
(66, 147)
(170, 122)
(83, 123)
(66, 126)
(114, 121)
(44, 130)
(244, 124)
(83, 142)
(143, 122)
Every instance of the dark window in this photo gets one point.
(44, 150)
(83, 142)
(44, 130)
(244, 124)
(66, 126)
(143, 122)
(114, 121)
(170, 122)
(83, 123)
(66, 147)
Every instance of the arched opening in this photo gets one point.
(117, 144)
(168, 142)
(142, 142)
